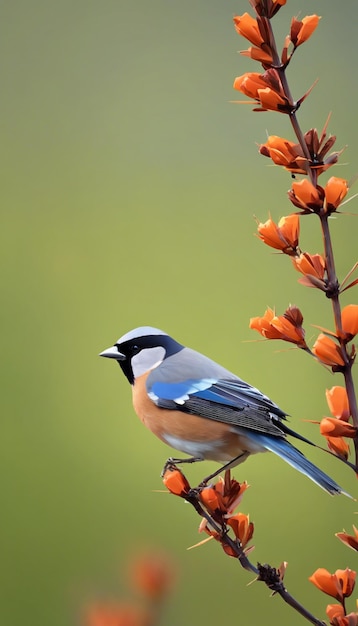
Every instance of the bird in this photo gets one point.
(201, 409)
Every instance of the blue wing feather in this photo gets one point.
(234, 393)
(178, 391)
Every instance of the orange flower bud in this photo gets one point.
(224, 496)
(337, 401)
(175, 482)
(333, 427)
(285, 153)
(327, 351)
(270, 100)
(350, 321)
(249, 83)
(335, 614)
(282, 236)
(242, 527)
(312, 264)
(122, 613)
(335, 191)
(302, 30)
(338, 446)
(247, 27)
(152, 574)
(204, 528)
(289, 330)
(347, 580)
(266, 89)
(229, 550)
(257, 54)
(263, 325)
(231, 491)
(306, 196)
(349, 540)
(287, 327)
(339, 585)
(210, 499)
(313, 267)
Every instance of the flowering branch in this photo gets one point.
(215, 504)
(309, 157)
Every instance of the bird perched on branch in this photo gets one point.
(202, 409)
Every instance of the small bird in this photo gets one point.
(200, 408)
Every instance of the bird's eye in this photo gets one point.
(135, 350)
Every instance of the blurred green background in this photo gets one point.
(129, 188)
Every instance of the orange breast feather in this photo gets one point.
(224, 443)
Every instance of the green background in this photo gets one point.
(130, 183)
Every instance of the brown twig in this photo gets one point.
(264, 573)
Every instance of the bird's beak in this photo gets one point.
(113, 353)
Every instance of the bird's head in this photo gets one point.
(141, 349)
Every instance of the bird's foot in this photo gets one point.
(173, 462)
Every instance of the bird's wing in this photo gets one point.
(219, 395)
(194, 384)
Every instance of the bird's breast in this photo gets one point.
(191, 434)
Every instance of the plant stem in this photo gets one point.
(265, 573)
(333, 286)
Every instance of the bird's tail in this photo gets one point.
(288, 431)
(294, 457)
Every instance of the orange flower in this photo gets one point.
(282, 236)
(152, 574)
(247, 27)
(120, 614)
(257, 54)
(337, 616)
(350, 619)
(337, 427)
(339, 585)
(335, 191)
(350, 321)
(224, 496)
(333, 427)
(290, 326)
(313, 267)
(270, 100)
(301, 31)
(204, 527)
(337, 401)
(287, 327)
(328, 352)
(349, 540)
(266, 89)
(285, 153)
(210, 499)
(290, 155)
(347, 580)
(326, 582)
(338, 446)
(335, 612)
(242, 527)
(175, 482)
(249, 84)
(263, 325)
(306, 196)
